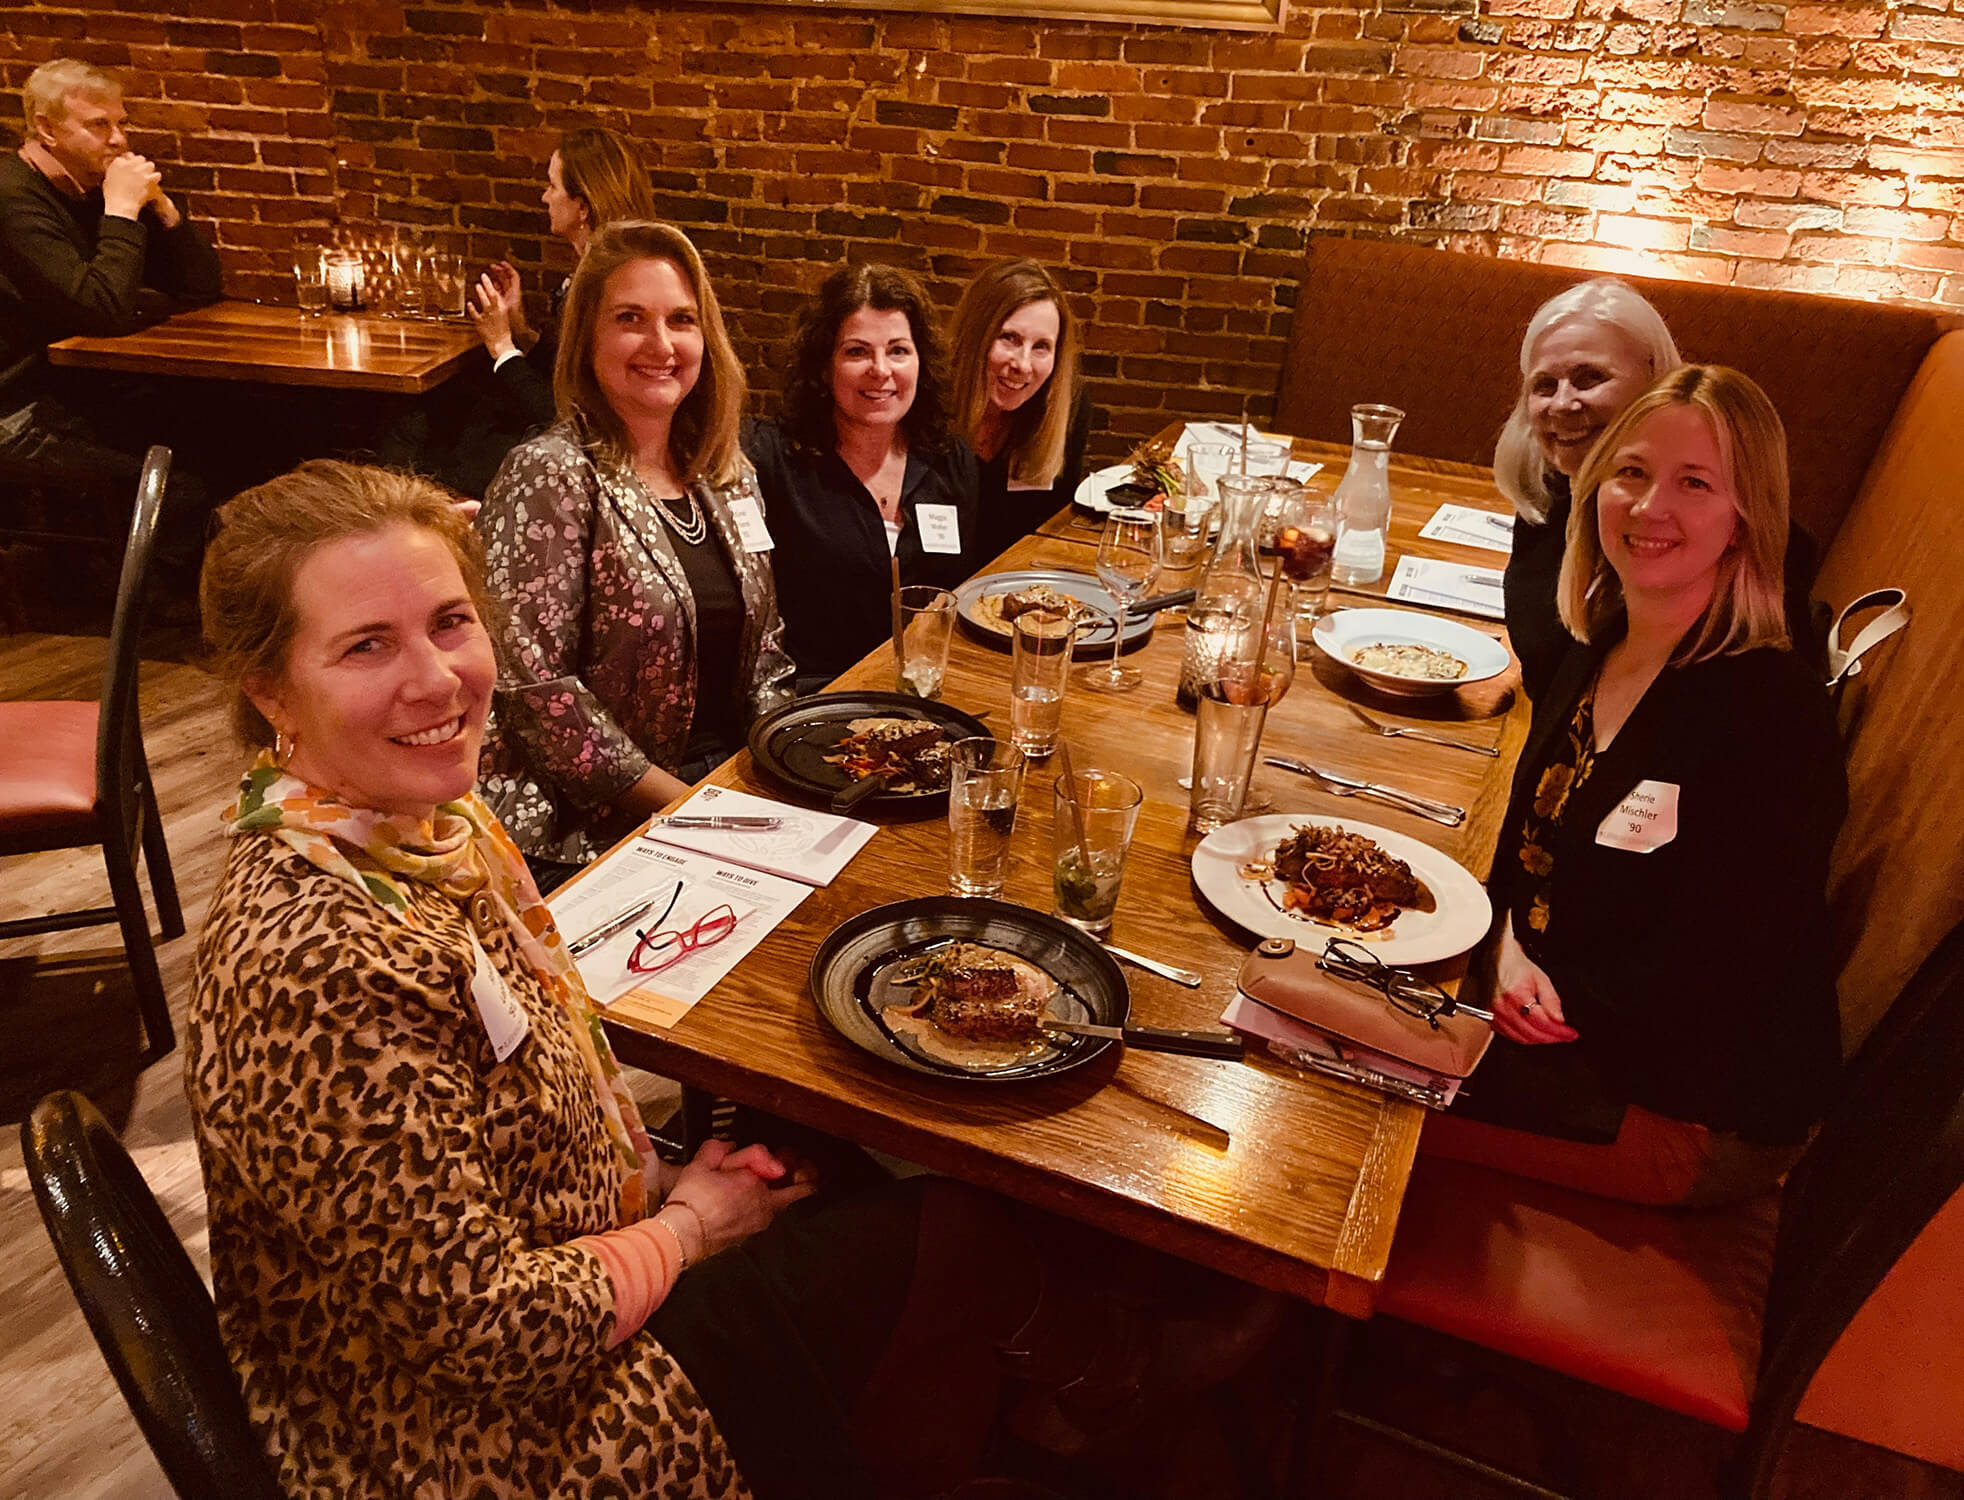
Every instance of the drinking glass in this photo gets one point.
(310, 280)
(927, 621)
(447, 285)
(1206, 463)
(1265, 458)
(1040, 670)
(1129, 556)
(985, 780)
(1085, 877)
(1226, 737)
(1187, 522)
(1306, 541)
(413, 294)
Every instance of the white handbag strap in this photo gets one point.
(1893, 603)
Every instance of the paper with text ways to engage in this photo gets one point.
(1469, 527)
(643, 869)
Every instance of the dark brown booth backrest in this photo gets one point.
(1439, 335)
(1897, 882)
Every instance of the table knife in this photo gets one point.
(1222, 1044)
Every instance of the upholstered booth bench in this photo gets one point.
(1873, 400)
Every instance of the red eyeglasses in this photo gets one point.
(661, 950)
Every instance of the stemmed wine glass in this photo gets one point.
(1129, 556)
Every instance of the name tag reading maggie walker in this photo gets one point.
(1646, 818)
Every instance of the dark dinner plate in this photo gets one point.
(853, 970)
(790, 745)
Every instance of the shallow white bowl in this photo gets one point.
(1337, 635)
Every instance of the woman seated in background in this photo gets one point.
(628, 550)
(1587, 352)
(1664, 996)
(1014, 371)
(593, 179)
(860, 469)
(445, 1259)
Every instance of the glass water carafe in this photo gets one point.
(1363, 499)
(1232, 587)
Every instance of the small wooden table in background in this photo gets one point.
(1282, 1178)
(279, 346)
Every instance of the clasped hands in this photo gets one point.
(736, 1192)
(129, 183)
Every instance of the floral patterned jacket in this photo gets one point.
(597, 677)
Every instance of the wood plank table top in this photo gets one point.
(1282, 1178)
(279, 346)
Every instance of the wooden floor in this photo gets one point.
(69, 1021)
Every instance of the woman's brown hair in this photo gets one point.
(808, 401)
(1039, 429)
(599, 167)
(245, 592)
(1745, 611)
(702, 442)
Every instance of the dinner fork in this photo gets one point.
(1400, 731)
(1349, 786)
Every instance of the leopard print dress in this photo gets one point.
(391, 1209)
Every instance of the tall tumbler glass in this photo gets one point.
(1085, 876)
(1226, 736)
(985, 781)
(1040, 671)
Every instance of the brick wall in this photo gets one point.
(1170, 175)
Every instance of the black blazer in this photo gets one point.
(1698, 974)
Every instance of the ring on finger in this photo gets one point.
(1528, 1007)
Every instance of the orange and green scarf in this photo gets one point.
(460, 852)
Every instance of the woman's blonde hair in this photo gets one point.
(702, 443)
(1520, 471)
(245, 593)
(1038, 429)
(1746, 610)
(599, 167)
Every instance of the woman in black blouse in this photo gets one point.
(1014, 358)
(1587, 352)
(860, 468)
(1662, 977)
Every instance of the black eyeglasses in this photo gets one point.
(1405, 990)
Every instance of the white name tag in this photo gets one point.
(940, 529)
(751, 531)
(505, 1021)
(1644, 820)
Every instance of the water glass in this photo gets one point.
(927, 621)
(1226, 737)
(985, 781)
(413, 294)
(1085, 878)
(448, 286)
(1040, 670)
(310, 280)
(1265, 458)
(1129, 556)
(1206, 463)
(1187, 523)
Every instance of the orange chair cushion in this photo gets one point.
(1660, 1304)
(47, 769)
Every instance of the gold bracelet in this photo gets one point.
(702, 1229)
(681, 1249)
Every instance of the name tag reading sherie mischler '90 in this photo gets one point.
(1645, 820)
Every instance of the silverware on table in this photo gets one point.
(1400, 731)
(721, 823)
(1173, 972)
(1221, 1044)
(1350, 786)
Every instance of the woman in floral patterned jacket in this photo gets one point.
(628, 545)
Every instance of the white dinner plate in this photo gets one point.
(1092, 489)
(1345, 630)
(1459, 919)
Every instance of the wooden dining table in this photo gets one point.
(1289, 1180)
(249, 341)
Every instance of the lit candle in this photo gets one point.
(344, 281)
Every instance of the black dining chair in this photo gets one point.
(73, 774)
(1721, 1314)
(145, 1302)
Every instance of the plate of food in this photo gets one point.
(820, 746)
(987, 604)
(1292, 875)
(1143, 485)
(1406, 652)
(958, 988)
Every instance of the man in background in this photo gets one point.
(90, 243)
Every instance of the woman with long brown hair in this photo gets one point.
(629, 545)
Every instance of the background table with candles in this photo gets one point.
(1285, 1179)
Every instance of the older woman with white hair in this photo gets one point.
(1587, 352)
